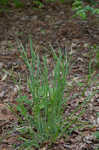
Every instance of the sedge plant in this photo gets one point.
(41, 118)
(44, 123)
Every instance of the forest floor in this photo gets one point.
(53, 24)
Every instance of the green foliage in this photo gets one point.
(82, 10)
(41, 118)
(4, 2)
(18, 4)
(46, 119)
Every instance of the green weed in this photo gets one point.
(41, 118)
(82, 10)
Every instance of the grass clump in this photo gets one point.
(41, 118)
